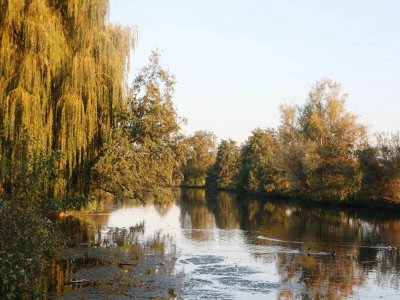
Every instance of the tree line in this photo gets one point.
(319, 151)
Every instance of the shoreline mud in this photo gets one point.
(112, 273)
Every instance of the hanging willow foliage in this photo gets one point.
(62, 75)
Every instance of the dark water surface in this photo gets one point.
(220, 246)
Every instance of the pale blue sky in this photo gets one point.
(236, 61)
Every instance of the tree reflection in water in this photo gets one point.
(325, 230)
(275, 233)
(362, 241)
(110, 260)
(195, 214)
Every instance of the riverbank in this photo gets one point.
(112, 273)
(358, 203)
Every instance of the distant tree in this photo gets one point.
(258, 169)
(324, 120)
(201, 147)
(380, 166)
(154, 123)
(146, 150)
(288, 129)
(224, 173)
(321, 139)
(298, 158)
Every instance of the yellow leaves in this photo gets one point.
(288, 114)
(23, 112)
(14, 12)
(72, 134)
(7, 53)
(63, 73)
(324, 119)
(335, 109)
(316, 123)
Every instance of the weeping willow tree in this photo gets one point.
(62, 78)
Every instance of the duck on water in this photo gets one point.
(308, 252)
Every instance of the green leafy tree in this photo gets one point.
(154, 124)
(337, 135)
(380, 166)
(321, 139)
(297, 158)
(146, 150)
(258, 168)
(26, 235)
(224, 173)
(201, 147)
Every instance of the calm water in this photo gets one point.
(224, 247)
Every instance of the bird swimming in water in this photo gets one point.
(305, 251)
(333, 253)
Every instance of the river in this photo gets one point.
(204, 245)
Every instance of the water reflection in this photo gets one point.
(111, 261)
(196, 215)
(227, 246)
(358, 243)
(298, 241)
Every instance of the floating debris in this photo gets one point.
(83, 282)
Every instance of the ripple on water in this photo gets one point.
(213, 277)
(248, 285)
(203, 260)
(226, 270)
